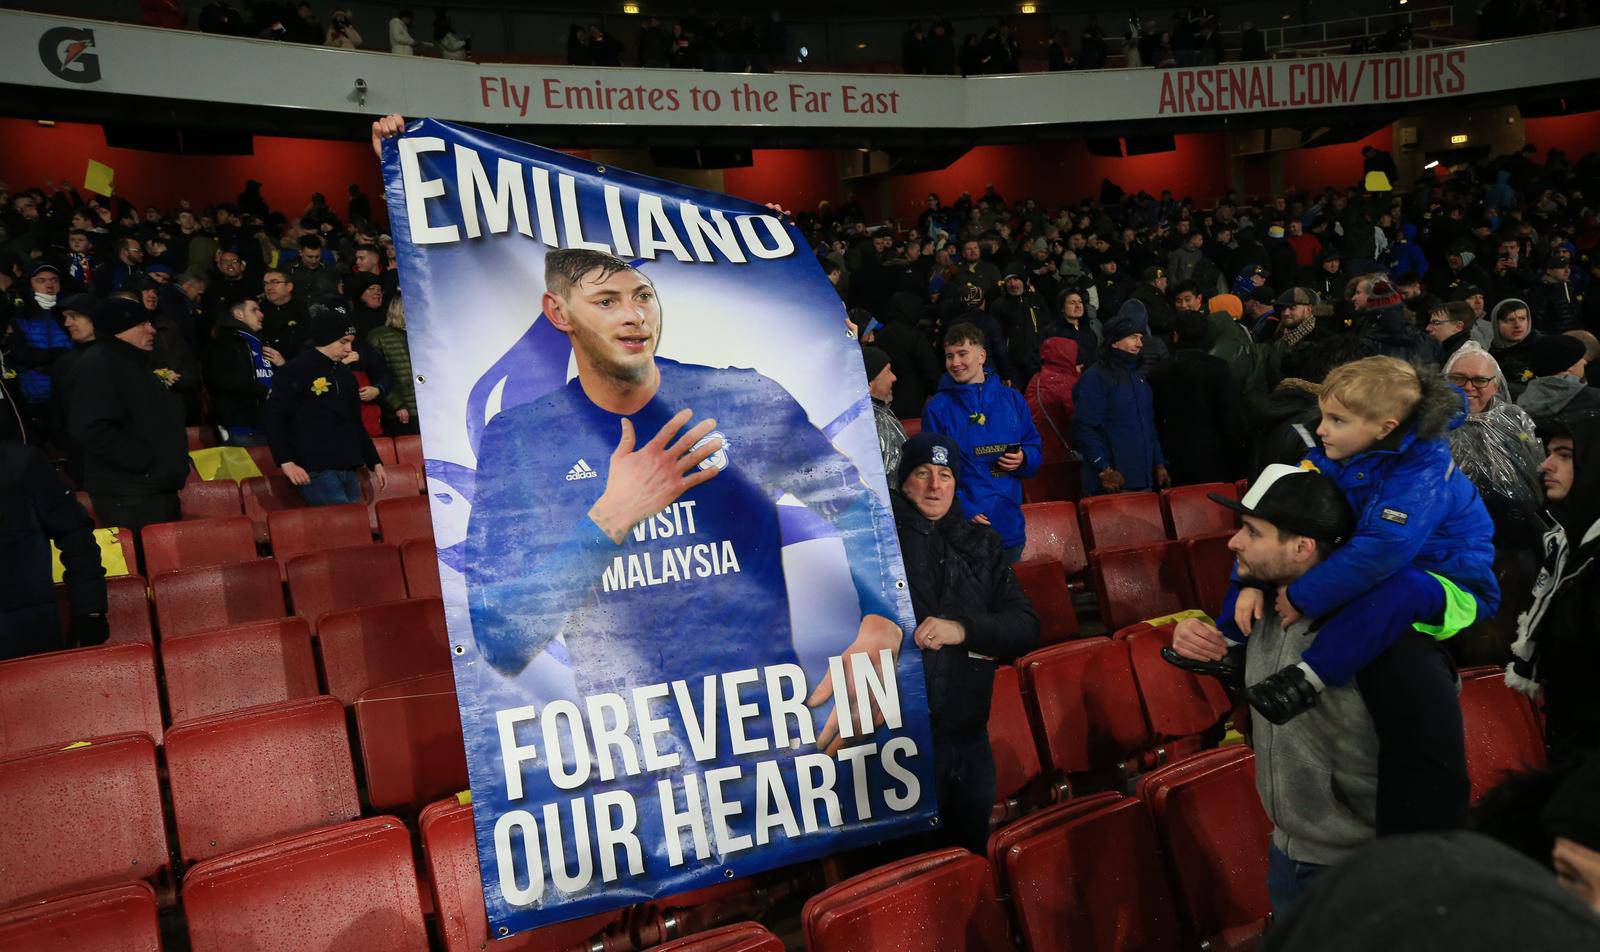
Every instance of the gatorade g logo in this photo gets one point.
(67, 52)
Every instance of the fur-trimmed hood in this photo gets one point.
(1442, 407)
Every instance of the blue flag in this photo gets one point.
(679, 622)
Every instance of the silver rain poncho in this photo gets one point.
(1499, 451)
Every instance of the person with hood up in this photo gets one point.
(1460, 270)
(1077, 325)
(972, 616)
(1404, 256)
(368, 308)
(990, 422)
(238, 373)
(1114, 423)
(1049, 396)
(1557, 386)
(1383, 322)
(1513, 342)
(1199, 418)
(1556, 653)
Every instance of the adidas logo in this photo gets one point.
(581, 470)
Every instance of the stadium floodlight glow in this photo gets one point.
(1459, 138)
(1431, 165)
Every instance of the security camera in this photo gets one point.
(361, 83)
(361, 91)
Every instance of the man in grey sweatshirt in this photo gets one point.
(1328, 779)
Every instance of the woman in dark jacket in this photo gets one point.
(971, 616)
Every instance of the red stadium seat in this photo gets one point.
(213, 499)
(228, 669)
(1002, 840)
(201, 437)
(316, 528)
(450, 855)
(1177, 704)
(262, 457)
(411, 745)
(1053, 533)
(130, 556)
(65, 696)
(402, 482)
(248, 777)
(420, 561)
(322, 582)
(912, 427)
(1190, 513)
(81, 817)
(1121, 519)
(1210, 564)
(196, 542)
(1061, 481)
(372, 645)
(1086, 708)
(116, 919)
(1016, 758)
(263, 495)
(351, 888)
(408, 452)
(403, 519)
(944, 900)
(217, 596)
(1045, 583)
(1093, 882)
(127, 610)
(1214, 835)
(1502, 734)
(1135, 582)
(385, 447)
(88, 506)
(739, 937)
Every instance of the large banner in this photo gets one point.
(680, 624)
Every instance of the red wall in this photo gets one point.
(1057, 172)
(796, 179)
(1574, 134)
(290, 169)
(1335, 165)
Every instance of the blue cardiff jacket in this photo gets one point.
(984, 418)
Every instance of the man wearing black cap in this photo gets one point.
(1023, 315)
(1152, 293)
(1557, 387)
(1327, 276)
(313, 416)
(127, 423)
(972, 616)
(880, 385)
(1383, 755)
(1557, 307)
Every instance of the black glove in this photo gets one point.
(88, 630)
(1282, 696)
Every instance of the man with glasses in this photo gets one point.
(1451, 325)
(285, 319)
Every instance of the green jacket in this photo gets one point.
(391, 343)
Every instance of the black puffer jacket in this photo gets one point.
(128, 424)
(1293, 403)
(958, 571)
(36, 508)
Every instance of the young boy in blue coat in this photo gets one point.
(1382, 435)
(999, 444)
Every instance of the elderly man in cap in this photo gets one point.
(313, 415)
(972, 616)
(1296, 328)
(126, 422)
(1382, 755)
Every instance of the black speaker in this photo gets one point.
(178, 140)
(1147, 145)
(1110, 148)
(672, 157)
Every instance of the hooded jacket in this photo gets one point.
(1404, 256)
(985, 418)
(1566, 601)
(1516, 359)
(1413, 506)
(1548, 397)
(1395, 336)
(1114, 423)
(957, 570)
(1049, 396)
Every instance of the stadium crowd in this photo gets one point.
(1400, 376)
